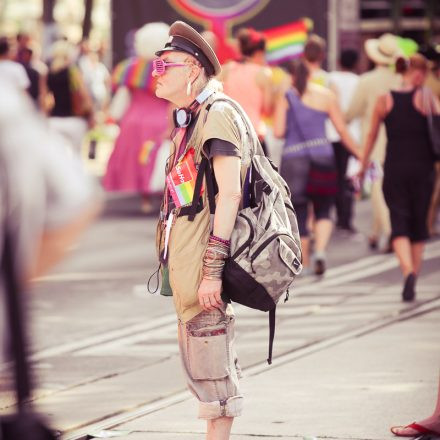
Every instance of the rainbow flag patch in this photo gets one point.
(182, 180)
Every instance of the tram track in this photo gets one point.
(343, 275)
(112, 422)
(350, 272)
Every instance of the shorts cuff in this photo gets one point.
(231, 407)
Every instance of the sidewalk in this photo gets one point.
(353, 390)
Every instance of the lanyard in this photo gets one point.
(182, 133)
(169, 217)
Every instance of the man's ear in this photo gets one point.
(195, 72)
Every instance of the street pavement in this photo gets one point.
(350, 359)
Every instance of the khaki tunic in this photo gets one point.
(188, 240)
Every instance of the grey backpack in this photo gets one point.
(265, 253)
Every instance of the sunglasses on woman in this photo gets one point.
(159, 66)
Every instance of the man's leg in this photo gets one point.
(219, 429)
(210, 364)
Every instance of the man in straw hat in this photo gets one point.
(383, 52)
(192, 256)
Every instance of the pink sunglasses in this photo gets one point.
(159, 66)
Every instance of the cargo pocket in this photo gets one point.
(208, 357)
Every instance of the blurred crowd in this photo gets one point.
(312, 123)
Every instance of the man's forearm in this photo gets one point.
(226, 214)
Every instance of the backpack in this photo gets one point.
(265, 252)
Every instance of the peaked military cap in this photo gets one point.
(184, 38)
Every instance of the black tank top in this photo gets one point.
(407, 131)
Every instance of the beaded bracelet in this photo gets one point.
(220, 240)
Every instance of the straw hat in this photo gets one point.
(383, 50)
(184, 38)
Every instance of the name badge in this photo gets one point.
(181, 181)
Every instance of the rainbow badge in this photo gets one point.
(182, 180)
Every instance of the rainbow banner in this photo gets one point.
(134, 73)
(181, 181)
(286, 42)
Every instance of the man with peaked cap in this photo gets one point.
(191, 252)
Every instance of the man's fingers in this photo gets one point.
(218, 298)
(206, 303)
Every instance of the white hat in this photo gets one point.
(62, 54)
(383, 50)
(150, 38)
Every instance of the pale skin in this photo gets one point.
(408, 253)
(324, 100)
(172, 86)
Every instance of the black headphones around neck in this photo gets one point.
(182, 116)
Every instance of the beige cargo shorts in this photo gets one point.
(206, 344)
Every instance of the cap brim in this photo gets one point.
(181, 29)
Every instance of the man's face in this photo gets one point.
(171, 85)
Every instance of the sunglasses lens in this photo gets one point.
(159, 66)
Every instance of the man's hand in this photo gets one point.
(209, 294)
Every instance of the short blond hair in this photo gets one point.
(314, 49)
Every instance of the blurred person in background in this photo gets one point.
(37, 81)
(24, 41)
(46, 200)
(72, 112)
(248, 80)
(344, 82)
(409, 164)
(11, 72)
(383, 52)
(96, 76)
(308, 162)
(97, 80)
(28, 55)
(279, 79)
(142, 119)
(314, 56)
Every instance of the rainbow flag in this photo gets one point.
(287, 41)
(181, 181)
(134, 73)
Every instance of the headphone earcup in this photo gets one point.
(182, 117)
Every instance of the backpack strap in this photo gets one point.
(204, 170)
(271, 333)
